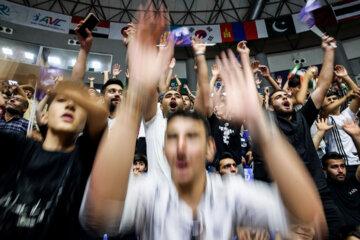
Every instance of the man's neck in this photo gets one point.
(59, 141)
(8, 116)
(192, 193)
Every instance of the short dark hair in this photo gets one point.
(294, 81)
(110, 82)
(223, 156)
(162, 95)
(141, 158)
(330, 155)
(193, 115)
(332, 92)
(275, 91)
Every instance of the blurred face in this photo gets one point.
(331, 99)
(336, 170)
(281, 103)
(294, 90)
(28, 93)
(5, 97)
(65, 116)
(114, 95)
(16, 104)
(172, 102)
(302, 232)
(139, 167)
(228, 166)
(185, 149)
(187, 102)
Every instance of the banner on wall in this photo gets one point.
(347, 10)
(117, 30)
(48, 20)
(12, 12)
(209, 33)
(280, 26)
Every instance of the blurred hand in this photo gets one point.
(195, 43)
(215, 70)
(172, 63)
(267, 91)
(242, 48)
(352, 129)
(116, 70)
(264, 71)
(255, 66)
(340, 71)
(312, 70)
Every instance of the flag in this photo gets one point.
(293, 71)
(181, 36)
(299, 26)
(255, 29)
(210, 33)
(324, 16)
(306, 15)
(346, 10)
(47, 78)
(280, 26)
(226, 32)
(102, 29)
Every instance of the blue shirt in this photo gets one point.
(17, 125)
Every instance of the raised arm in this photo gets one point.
(310, 73)
(116, 70)
(282, 160)
(178, 83)
(265, 72)
(334, 105)
(340, 71)
(215, 74)
(322, 126)
(78, 72)
(326, 74)
(106, 75)
(202, 92)
(40, 107)
(354, 131)
(102, 208)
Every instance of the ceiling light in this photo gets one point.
(54, 60)
(29, 55)
(96, 64)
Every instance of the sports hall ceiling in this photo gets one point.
(182, 12)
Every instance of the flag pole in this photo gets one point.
(319, 33)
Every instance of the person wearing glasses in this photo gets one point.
(12, 120)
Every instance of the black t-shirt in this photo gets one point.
(227, 138)
(297, 131)
(41, 191)
(347, 197)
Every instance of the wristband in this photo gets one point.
(199, 53)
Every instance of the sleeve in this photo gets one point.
(347, 114)
(139, 201)
(309, 111)
(258, 204)
(10, 146)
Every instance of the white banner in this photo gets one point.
(48, 20)
(117, 30)
(299, 26)
(12, 12)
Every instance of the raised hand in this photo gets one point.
(255, 66)
(116, 70)
(242, 48)
(87, 42)
(197, 44)
(264, 71)
(312, 71)
(325, 44)
(215, 70)
(267, 91)
(127, 73)
(340, 71)
(322, 125)
(172, 63)
(352, 129)
(143, 52)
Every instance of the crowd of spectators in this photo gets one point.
(144, 159)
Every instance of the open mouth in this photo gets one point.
(67, 117)
(181, 165)
(287, 104)
(115, 100)
(173, 105)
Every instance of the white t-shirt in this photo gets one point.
(110, 123)
(155, 137)
(154, 209)
(337, 140)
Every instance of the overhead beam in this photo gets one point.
(255, 10)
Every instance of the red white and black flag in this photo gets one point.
(346, 10)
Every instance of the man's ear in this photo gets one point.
(44, 118)
(210, 149)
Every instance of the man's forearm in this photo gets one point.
(273, 83)
(203, 94)
(301, 95)
(352, 85)
(78, 72)
(332, 106)
(317, 138)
